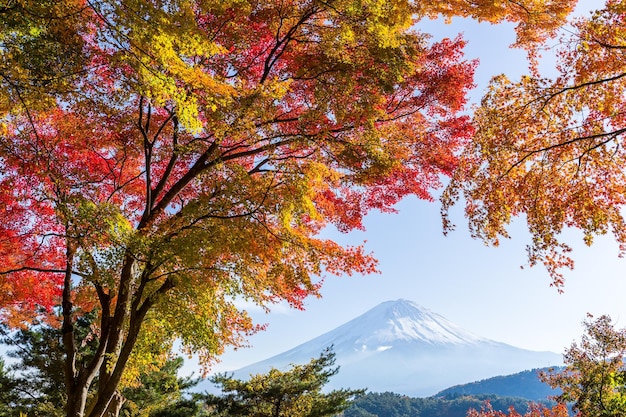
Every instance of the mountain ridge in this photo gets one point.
(526, 384)
(402, 347)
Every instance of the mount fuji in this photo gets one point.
(401, 347)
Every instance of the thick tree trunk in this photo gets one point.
(76, 402)
(115, 406)
(76, 392)
(117, 341)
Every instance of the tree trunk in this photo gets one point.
(115, 406)
(76, 401)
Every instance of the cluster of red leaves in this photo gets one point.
(559, 410)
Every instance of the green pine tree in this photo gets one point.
(296, 392)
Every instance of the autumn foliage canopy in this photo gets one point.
(551, 149)
(160, 159)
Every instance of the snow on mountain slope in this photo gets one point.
(402, 347)
(404, 320)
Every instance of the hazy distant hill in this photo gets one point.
(401, 347)
(524, 384)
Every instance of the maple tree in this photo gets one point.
(160, 159)
(594, 379)
(551, 150)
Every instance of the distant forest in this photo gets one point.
(454, 405)
(518, 391)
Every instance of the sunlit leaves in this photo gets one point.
(537, 20)
(560, 410)
(40, 51)
(593, 380)
(551, 149)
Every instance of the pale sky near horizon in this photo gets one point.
(482, 289)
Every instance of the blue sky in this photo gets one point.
(482, 289)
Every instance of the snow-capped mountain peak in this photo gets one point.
(403, 320)
(402, 347)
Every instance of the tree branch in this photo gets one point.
(609, 137)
